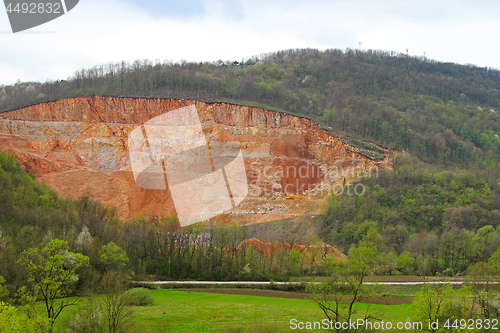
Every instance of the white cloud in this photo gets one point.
(101, 31)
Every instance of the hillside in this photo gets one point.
(32, 215)
(440, 112)
(82, 145)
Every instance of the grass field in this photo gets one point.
(185, 311)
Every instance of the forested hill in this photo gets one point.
(443, 113)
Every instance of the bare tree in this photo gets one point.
(336, 296)
(115, 302)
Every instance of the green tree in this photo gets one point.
(405, 263)
(441, 304)
(52, 272)
(14, 320)
(485, 242)
(293, 262)
(484, 281)
(113, 257)
(329, 116)
(495, 260)
(428, 303)
(4, 292)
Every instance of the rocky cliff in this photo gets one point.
(80, 145)
(311, 252)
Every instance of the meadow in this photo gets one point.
(188, 311)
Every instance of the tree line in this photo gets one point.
(141, 247)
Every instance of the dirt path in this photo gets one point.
(320, 204)
(284, 294)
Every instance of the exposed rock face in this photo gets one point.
(312, 252)
(80, 145)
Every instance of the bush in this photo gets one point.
(14, 320)
(89, 318)
(139, 297)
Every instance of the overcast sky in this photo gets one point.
(101, 31)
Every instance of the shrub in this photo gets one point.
(139, 297)
(14, 320)
(89, 319)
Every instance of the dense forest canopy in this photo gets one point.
(450, 219)
(142, 247)
(441, 112)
